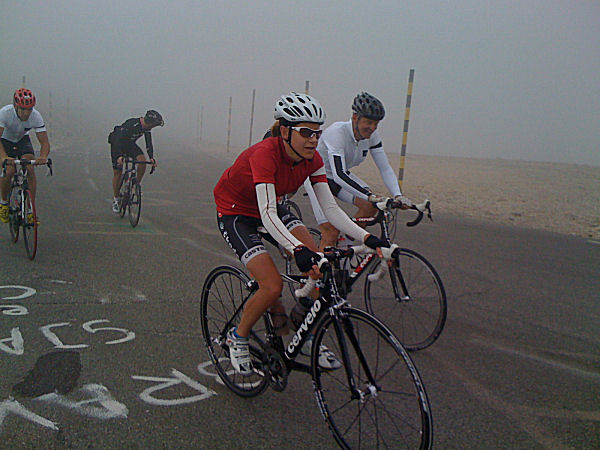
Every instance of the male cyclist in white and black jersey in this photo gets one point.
(122, 143)
(16, 122)
(344, 145)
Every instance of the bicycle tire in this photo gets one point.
(392, 223)
(392, 413)
(134, 205)
(123, 196)
(224, 291)
(416, 317)
(29, 225)
(14, 213)
(294, 209)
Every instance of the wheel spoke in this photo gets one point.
(393, 414)
(410, 299)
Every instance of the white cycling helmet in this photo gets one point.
(296, 108)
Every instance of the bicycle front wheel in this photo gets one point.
(123, 196)
(30, 225)
(376, 399)
(135, 203)
(410, 298)
(223, 296)
(392, 223)
(14, 213)
(295, 209)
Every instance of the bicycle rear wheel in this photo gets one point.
(135, 202)
(223, 295)
(30, 225)
(410, 298)
(388, 407)
(123, 196)
(14, 213)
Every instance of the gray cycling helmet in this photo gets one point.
(366, 105)
(153, 118)
(296, 108)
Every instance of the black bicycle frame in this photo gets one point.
(322, 305)
(290, 352)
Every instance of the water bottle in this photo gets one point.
(299, 311)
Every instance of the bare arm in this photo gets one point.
(42, 138)
(3, 154)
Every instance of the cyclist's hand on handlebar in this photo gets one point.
(376, 244)
(403, 201)
(41, 161)
(306, 259)
(153, 161)
(374, 198)
(120, 161)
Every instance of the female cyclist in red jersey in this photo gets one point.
(246, 199)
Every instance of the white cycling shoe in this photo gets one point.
(239, 353)
(327, 359)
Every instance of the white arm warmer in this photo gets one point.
(335, 214)
(267, 206)
(386, 171)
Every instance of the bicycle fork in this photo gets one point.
(400, 292)
(348, 330)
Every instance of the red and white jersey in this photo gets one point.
(15, 128)
(264, 162)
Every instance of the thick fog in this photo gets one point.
(493, 78)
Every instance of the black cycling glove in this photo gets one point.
(305, 258)
(374, 242)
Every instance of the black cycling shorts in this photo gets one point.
(129, 149)
(244, 236)
(18, 149)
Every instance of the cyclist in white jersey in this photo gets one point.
(16, 121)
(344, 145)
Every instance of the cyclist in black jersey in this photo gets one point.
(122, 143)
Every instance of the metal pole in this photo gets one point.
(198, 127)
(229, 125)
(201, 114)
(405, 133)
(251, 117)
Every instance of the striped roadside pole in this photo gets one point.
(405, 133)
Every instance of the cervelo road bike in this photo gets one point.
(130, 190)
(407, 295)
(376, 399)
(21, 205)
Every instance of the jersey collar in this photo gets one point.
(351, 131)
(287, 158)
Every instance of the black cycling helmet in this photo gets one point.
(153, 118)
(365, 105)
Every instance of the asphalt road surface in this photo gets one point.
(100, 345)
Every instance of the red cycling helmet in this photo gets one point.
(24, 98)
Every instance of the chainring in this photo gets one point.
(276, 368)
